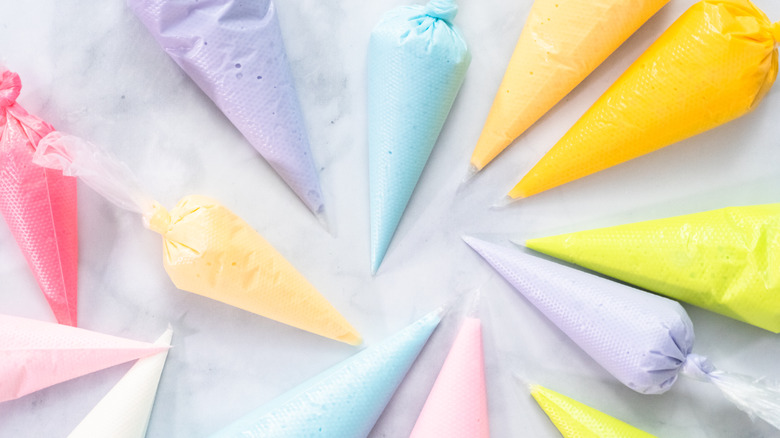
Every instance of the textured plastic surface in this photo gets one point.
(562, 42)
(207, 249)
(125, 411)
(212, 252)
(713, 65)
(723, 260)
(640, 338)
(457, 404)
(38, 204)
(35, 354)
(576, 420)
(417, 61)
(94, 167)
(344, 401)
(644, 340)
(234, 51)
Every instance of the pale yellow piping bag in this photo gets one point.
(727, 260)
(562, 42)
(713, 65)
(208, 250)
(576, 420)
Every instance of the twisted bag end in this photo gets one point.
(10, 86)
(443, 9)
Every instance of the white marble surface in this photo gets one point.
(91, 69)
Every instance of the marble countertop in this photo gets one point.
(94, 71)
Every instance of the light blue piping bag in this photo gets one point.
(344, 401)
(417, 61)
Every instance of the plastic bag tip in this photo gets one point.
(324, 220)
(165, 339)
(473, 301)
(504, 202)
(352, 338)
(523, 382)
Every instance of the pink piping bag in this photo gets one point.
(38, 204)
(35, 355)
(234, 52)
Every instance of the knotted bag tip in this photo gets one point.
(157, 219)
(441, 9)
(10, 86)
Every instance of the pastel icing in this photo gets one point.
(210, 251)
(417, 61)
(344, 401)
(125, 411)
(35, 354)
(642, 339)
(713, 65)
(576, 420)
(39, 205)
(562, 42)
(233, 50)
(722, 260)
(457, 405)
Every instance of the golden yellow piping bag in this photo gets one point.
(208, 250)
(576, 420)
(713, 65)
(726, 260)
(562, 42)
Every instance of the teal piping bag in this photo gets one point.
(417, 61)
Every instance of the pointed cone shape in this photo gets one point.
(640, 338)
(38, 204)
(713, 65)
(416, 64)
(212, 252)
(344, 401)
(576, 420)
(125, 411)
(457, 404)
(723, 260)
(234, 52)
(561, 44)
(35, 355)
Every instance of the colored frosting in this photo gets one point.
(344, 401)
(562, 42)
(640, 338)
(233, 50)
(38, 204)
(212, 252)
(713, 65)
(417, 61)
(207, 249)
(457, 404)
(576, 420)
(723, 260)
(35, 355)
(643, 340)
(125, 411)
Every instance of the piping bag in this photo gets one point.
(39, 205)
(125, 411)
(457, 407)
(417, 61)
(35, 354)
(207, 249)
(723, 260)
(346, 400)
(644, 340)
(562, 42)
(577, 420)
(713, 65)
(233, 50)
